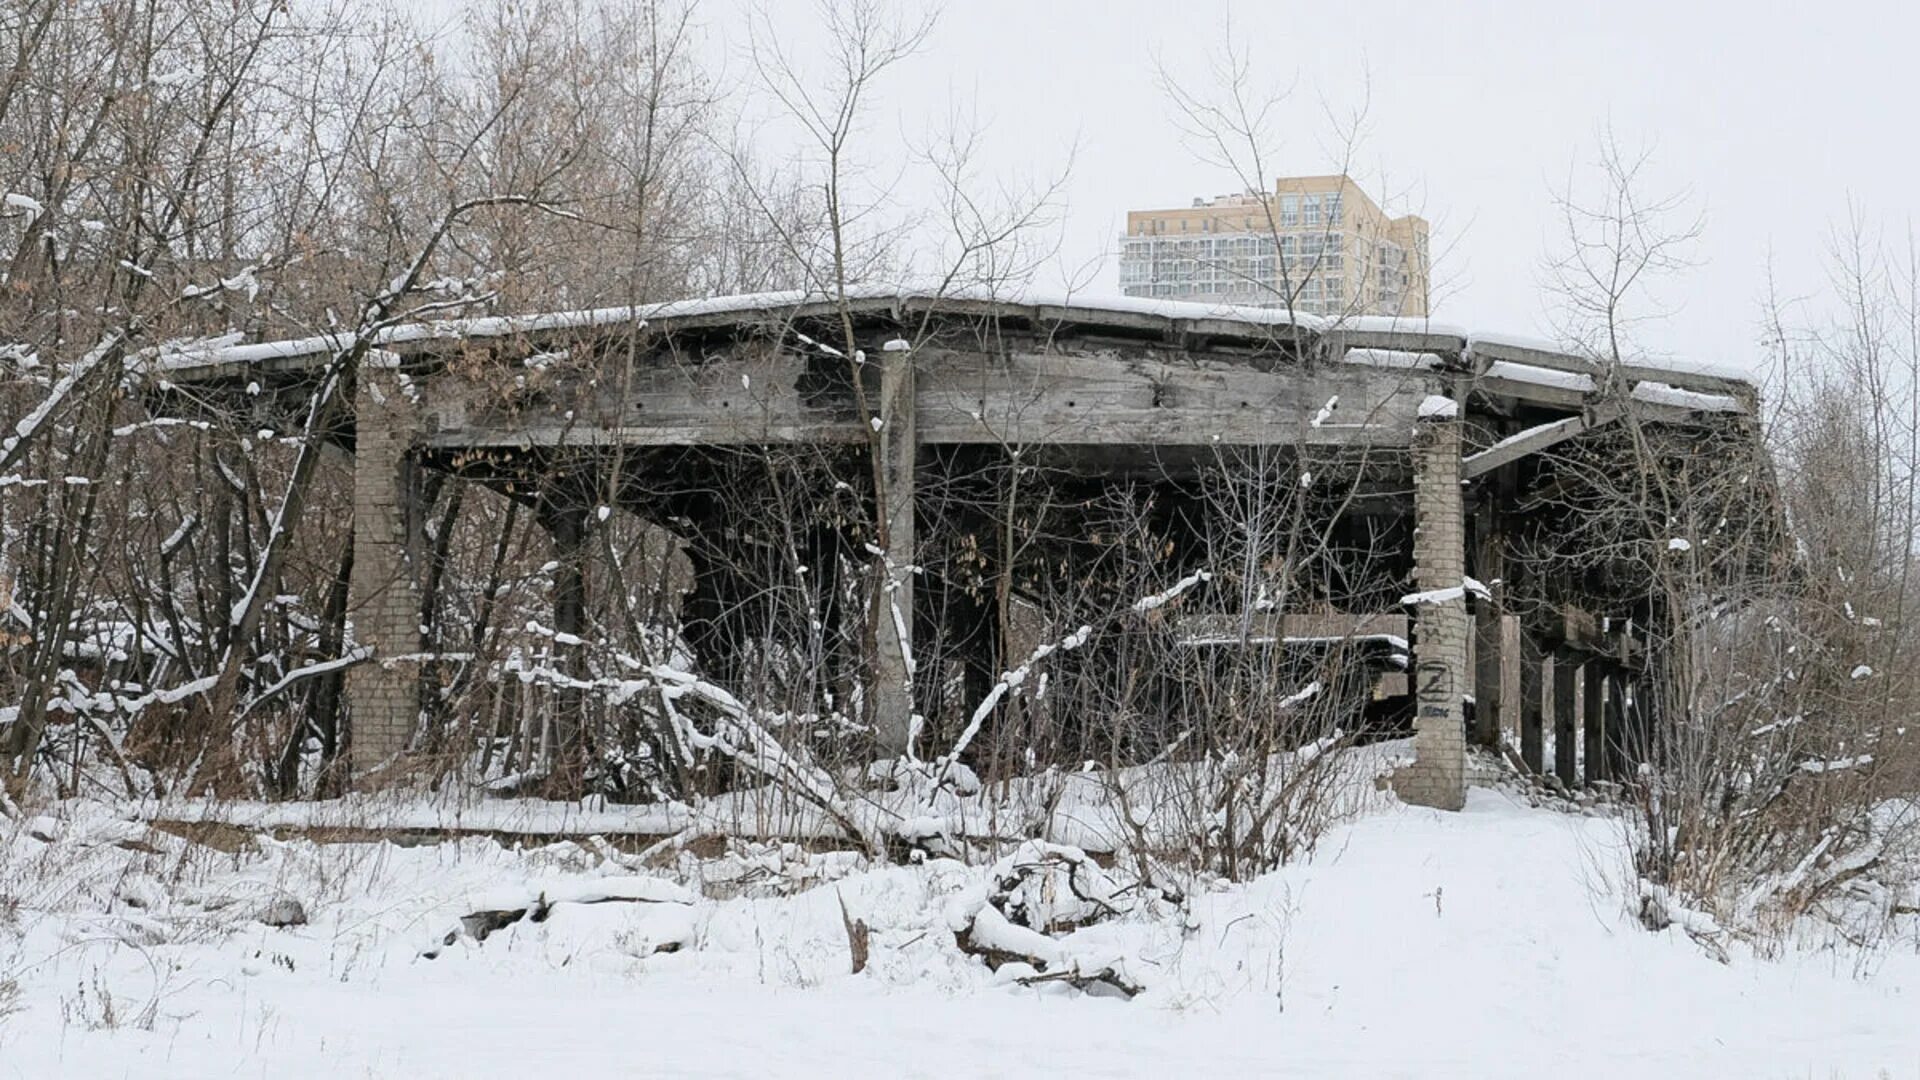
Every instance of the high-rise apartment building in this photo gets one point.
(1317, 241)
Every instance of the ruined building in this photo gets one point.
(1454, 482)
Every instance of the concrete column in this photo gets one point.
(1593, 718)
(1619, 762)
(1565, 737)
(1440, 629)
(892, 696)
(383, 695)
(1532, 713)
(572, 531)
(1490, 659)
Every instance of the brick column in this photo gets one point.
(1440, 630)
(383, 694)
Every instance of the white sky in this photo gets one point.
(1774, 115)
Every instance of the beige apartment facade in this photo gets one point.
(1318, 244)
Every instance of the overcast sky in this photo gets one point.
(1775, 117)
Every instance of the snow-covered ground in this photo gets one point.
(1416, 943)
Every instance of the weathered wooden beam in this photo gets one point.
(1537, 439)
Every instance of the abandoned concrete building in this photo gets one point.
(1440, 443)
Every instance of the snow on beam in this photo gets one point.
(224, 357)
(1484, 350)
(1687, 377)
(1395, 335)
(1545, 386)
(1487, 349)
(1535, 439)
(1661, 393)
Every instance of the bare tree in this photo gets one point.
(1617, 241)
(1772, 571)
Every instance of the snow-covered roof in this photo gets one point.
(1366, 339)
(229, 350)
(1511, 346)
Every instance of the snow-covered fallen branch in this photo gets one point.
(1038, 891)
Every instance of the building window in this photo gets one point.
(1333, 209)
(1310, 211)
(1289, 210)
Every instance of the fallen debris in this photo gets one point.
(498, 910)
(283, 912)
(1040, 890)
